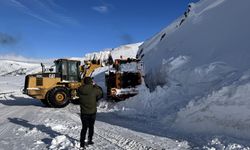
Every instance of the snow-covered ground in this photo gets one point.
(198, 78)
(26, 124)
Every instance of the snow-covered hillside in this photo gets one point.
(197, 70)
(14, 67)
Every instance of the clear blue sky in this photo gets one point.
(66, 28)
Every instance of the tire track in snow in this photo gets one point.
(99, 135)
(120, 141)
(115, 138)
(15, 110)
(8, 129)
(108, 136)
(109, 141)
(4, 129)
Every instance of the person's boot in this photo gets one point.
(90, 142)
(82, 145)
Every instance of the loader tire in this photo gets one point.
(45, 102)
(75, 101)
(58, 97)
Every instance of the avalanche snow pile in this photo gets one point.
(198, 71)
(124, 51)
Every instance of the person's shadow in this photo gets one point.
(52, 134)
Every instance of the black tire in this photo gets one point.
(45, 102)
(75, 101)
(58, 97)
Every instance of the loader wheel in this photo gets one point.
(58, 97)
(75, 101)
(45, 102)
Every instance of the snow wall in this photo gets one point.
(197, 70)
(124, 51)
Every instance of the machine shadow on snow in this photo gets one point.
(138, 124)
(20, 101)
(143, 125)
(47, 130)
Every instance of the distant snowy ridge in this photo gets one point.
(18, 65)
(24, 59)
(12, 65)
(198, 70)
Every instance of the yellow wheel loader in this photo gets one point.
(58, 86)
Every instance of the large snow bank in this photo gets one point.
(202, 64)
(124, 51)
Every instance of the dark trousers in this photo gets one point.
(88, 121)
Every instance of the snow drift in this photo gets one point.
(124, 51)
(197, 70)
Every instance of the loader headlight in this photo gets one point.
(113, 91)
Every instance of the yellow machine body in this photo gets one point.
(57, 88)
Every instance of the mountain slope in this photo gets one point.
(13, 67)
(198, 72)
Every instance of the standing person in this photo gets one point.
(89, 94)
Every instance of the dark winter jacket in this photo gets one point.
(88, 98)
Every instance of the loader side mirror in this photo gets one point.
(42, 65)
(51, 69)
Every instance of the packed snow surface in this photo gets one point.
(26, 124)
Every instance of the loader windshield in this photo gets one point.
(73, 71)
(68, 69)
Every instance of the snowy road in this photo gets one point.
(26, 124)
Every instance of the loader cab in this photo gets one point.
(68, 69)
